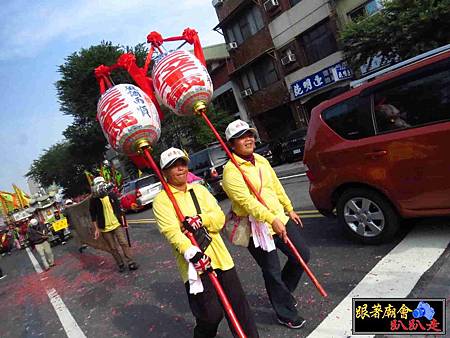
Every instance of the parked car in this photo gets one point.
(208, 164)
(268, 150)
(378, 153)
(293, 145)
(138, 194)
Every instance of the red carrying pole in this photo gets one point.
(258, 196)
(212, 275)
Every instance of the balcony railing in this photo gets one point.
(268, 98)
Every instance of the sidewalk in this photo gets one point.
(290, 169)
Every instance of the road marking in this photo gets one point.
(291, 176)
(393, 277)
(152, 221)
(307, 211)
(65, 317)
(312, 216)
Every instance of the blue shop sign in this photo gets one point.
(334, 73)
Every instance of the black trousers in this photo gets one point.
(280, 283)
(207, 309)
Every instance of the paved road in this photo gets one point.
(152, 301)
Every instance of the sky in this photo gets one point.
(37, 36)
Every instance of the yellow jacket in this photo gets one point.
(244, 203)
(213, 219)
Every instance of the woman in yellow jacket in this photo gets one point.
(269, 225)
(204, 219)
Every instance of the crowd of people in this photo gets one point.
(268, 224)
(34, 234)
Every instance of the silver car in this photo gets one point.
(147, 188)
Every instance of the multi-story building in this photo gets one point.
(286, 56)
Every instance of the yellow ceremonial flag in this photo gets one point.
(11, 200)
(89, 177)
(22, 197)
(4, 206)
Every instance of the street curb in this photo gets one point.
(297, 168)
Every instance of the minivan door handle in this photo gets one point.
(376, 154)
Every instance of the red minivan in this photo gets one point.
(380, 152)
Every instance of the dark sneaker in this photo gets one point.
(133, 266)
(3, 276)
(121, 268)
(81, 248)
(293, 324)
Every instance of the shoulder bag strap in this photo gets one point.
(195, 200)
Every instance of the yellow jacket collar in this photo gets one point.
(175, 190)
(241, 161)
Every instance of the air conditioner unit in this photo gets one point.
(217, 3)
(232, 45)
(246, 93)
(270, 5)
(290, 57)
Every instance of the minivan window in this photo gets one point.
(146, 181)
(413, 103)
(199, 160)
(351, 119)
(218, 155)
(128, 187)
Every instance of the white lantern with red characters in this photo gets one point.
(180, 80)
(128, 117)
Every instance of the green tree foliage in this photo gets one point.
(56, 164)
(84, 145)
(191, 132)
(402, 29)
(78, 94)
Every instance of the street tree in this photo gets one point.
(56, 164)
(84, 144)
(400, 30)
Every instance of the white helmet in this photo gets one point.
(68, 202)
(34, 222)
(98, 180)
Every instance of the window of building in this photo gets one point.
(226, 102)
(248, 24)
(318, 42)
(420, 101)
(248, 80)
(367, 9)
(351, 119)
(265, 72)
(260, 75)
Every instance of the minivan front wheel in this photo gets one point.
(367, 215)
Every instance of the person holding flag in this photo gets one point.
(106, 217)
(204, 219)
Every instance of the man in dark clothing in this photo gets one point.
(38, 234)
(106, 219)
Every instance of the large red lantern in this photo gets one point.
(181, 80)
(128, 118)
